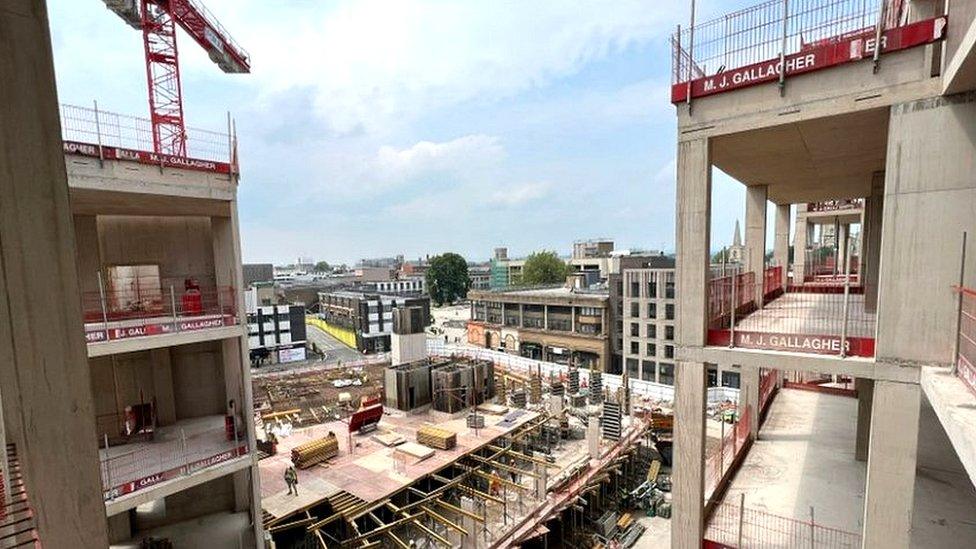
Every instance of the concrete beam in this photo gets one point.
(44, 375)
(890, 487)
(955, 406)
(827, 364)
(146, 343)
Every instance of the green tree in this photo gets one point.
(447, 278)
(322, 267)
(544, 267)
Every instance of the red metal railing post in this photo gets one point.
(959, 299)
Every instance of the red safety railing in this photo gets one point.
(155, 461)
(734, 525)
(767, 387)
(144, 311)
(836, 205)
(725, 291)
(94, 126)
(772, 283)
(966, 357)
(719, 464)
(759, 33)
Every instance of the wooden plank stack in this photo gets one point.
(436, 437)
(315, 451)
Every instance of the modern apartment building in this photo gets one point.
(843, 103)
(365, 318)
(562, 324)
(275, 333)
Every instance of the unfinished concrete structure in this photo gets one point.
(444, 385)
(820, 113)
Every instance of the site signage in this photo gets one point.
(819, 55)
(183, 470)
(144, 157)
(94, 334)
(797, 343)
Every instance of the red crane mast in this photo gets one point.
(158, 19)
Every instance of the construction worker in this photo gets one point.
(291, 479)
(515, 475)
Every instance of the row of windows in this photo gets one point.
(651, 349)
(635, 311)
(650, 331)
(654, 287)
(646, 369)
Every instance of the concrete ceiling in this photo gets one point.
(819, 159)
(98, 202)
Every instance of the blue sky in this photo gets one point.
(376, 127)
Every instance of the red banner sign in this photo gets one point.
(98, 335)
(183, 470)
(823, 54)
(143, 157)
(797, 343)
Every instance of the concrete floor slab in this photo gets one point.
(811, 314)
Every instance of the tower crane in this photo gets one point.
(158, 19)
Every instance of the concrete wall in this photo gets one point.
(181, 246)
(204, 499)
(928, 203)
(197, 373)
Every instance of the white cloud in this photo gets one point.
(457, 157)
(515, 195)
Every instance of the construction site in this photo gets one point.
(462, 451)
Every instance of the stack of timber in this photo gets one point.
(573, 380)
(556, 388)
(436, 437)
(315, 451)
(611, 421)
(596, 387)
(518, 398)
(535, 389)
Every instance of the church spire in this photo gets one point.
(737, 238)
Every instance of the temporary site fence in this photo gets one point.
(773, 30)
(733, 524)
(94, 126)
(526, 366)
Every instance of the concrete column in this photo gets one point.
(749, 396)
(688, 487)
(890, 486)
(756, 235)
(781, 240)
(693, 215)
(865, 396)
(88, 255)
(44, 373)
(521, 315)
(545, 317)
(802, 240)
(871, 252)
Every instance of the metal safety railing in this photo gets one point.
(772, 30)
(736, 525)
(965, 363)
(153, 461)
(822, 264)
(772, 283)
(730, 297)
(718, 464)
(111, 314)
(94, 126)
(836, 205)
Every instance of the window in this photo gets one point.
(650, 289)
(669, 311)
(634, 348)
(635, 310)
(669, 333)
(730, 379)
(652, 331)
(634, 329)
(712, 378)
(666, 373)
(669, 351)
(651, 349)
(669, 287)
(633, 367)
(648, 368)
(634, 289)
(652, 310)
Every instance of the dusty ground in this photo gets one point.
(313, 391)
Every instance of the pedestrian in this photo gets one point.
(291, 479)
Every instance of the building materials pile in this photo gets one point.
(556, 388)
(535, 389)
(436, 437)
(475, 421)
(315, 451)
(573, 381)
(518, 398)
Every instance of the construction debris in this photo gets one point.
(436, 437)
(315, 451)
